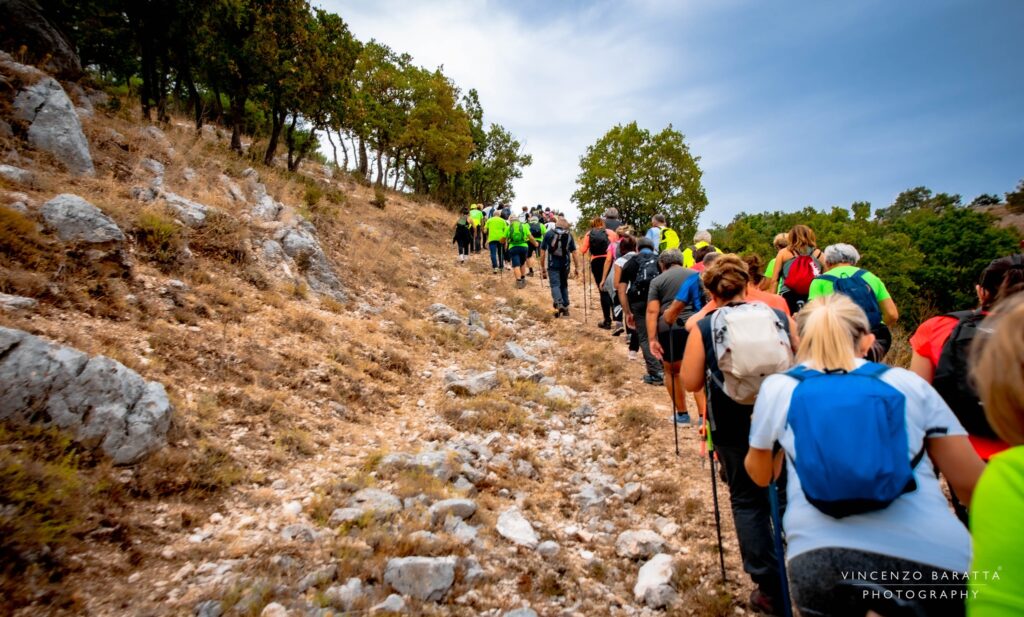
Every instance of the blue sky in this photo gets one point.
(788, 104)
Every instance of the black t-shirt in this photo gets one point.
(630, 270)
(731, 419)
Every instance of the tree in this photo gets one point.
(641, 175)
(985, 200)
(1015, 200)
(916, 199)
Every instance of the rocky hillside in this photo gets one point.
(230, 390)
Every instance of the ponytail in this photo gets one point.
(830, 328)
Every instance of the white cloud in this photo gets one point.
(558, 84)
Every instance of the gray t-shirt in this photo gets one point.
(666, 286)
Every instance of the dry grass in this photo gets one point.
(493, 411)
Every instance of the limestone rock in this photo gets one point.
(54, 126)
(17, 303)
(521, 612)
(639, 544)
(99, 401)
(515, 352)
(300, 243)
(423, 578)
(654, 582)
(474, 384)
(17, 175)
(274, 610)
(318, 577)
(192, 213)
(76, 220)
(380, 503)
(548, 548)
(514, 527)
(23, 22)
(340, 516)
(394, 603)
(462, 508)
(346, 596)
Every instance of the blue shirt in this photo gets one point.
(690, 293)
(654, 234)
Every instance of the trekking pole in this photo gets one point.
(672, 384)
(773, 498)
(586, 318)
(710, 426)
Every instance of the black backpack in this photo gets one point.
(536, 230)
(599, 242)
(647, 271)
(952, 375)
(560, 243)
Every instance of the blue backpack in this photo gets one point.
(858, 290)
(851, 440)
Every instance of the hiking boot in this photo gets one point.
(632, 355)
(618, 329)
(682, 418)
(495, 271)
(653, 380)
(760, 602)
(605, 325)
(520, 283)
(564, 311)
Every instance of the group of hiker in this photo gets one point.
(832, 458)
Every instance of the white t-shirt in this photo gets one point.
(609, 284)
(919, 526)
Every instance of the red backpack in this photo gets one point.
(802, 271)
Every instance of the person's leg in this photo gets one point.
(751, 514)
(634, 340)
(494, 248)
(606, 306)
(596, 270)
(653, 364)
(555, 280)
(564, 286)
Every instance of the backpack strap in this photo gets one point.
(859, 274)
(802, 373)
(924, 445)
(828, 277)
(871, 369)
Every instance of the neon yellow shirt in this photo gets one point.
(497, 229)
(525, 232)
(997, 508)
(688, 260)
(821, 288)
(476, 216)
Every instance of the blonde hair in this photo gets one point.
(726, 276)
(801, 237)
(781, 241)
(997, 366)
(830, 328)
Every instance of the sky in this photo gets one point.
(786, 103)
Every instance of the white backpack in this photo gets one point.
(751, 343)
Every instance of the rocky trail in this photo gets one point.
(282, 396)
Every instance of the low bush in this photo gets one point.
(160, 238)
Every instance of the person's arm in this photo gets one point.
(693, 362)
(575, 263)
(653, 310)
(956, 459)
(691, 323)
(889, 313)
(794, 334)
(673, 310)
(922, 366)
(585, 244)
(773, 287)
(604, 272)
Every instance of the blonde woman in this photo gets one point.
(845, 523)
(998, 369)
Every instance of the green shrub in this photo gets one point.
(313, 195)
(160, 237)
(380, 199)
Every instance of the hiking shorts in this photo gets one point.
(517, 255)
(532, 251)
(673, 342)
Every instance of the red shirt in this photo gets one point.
(927, 342)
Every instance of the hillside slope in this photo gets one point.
(325, 408)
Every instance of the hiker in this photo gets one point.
(941, 347)
(998, 503)
(654, 233)
(865, 289)
(557, 251)
(625, 249)
(863, 495)
(633, 289)
(736, 345)
(670, 342)
(519, 241)
(537, 232)
(800, 263)
(704, 256)
(476, 220)
(597, 243)
(463, 235)
(611, 219)
(664, 237)
(497, 235)
(780, 242)
(701, 240)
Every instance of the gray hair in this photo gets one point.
(670, 258)
(710, 258)
(841, 254)
(702, 236)
(611, 213)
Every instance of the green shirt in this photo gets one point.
(997, 508)
(769, 272)
(497, 229)
(525, 232)
(821, 288)
(476, 216)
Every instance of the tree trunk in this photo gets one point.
(398, 170)
(237, 120)
(380, 170)
(277, 117)
(344, 150)
(364, 163)
(334, 149)
(216, 107)
(289, 138)
(304, 149)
